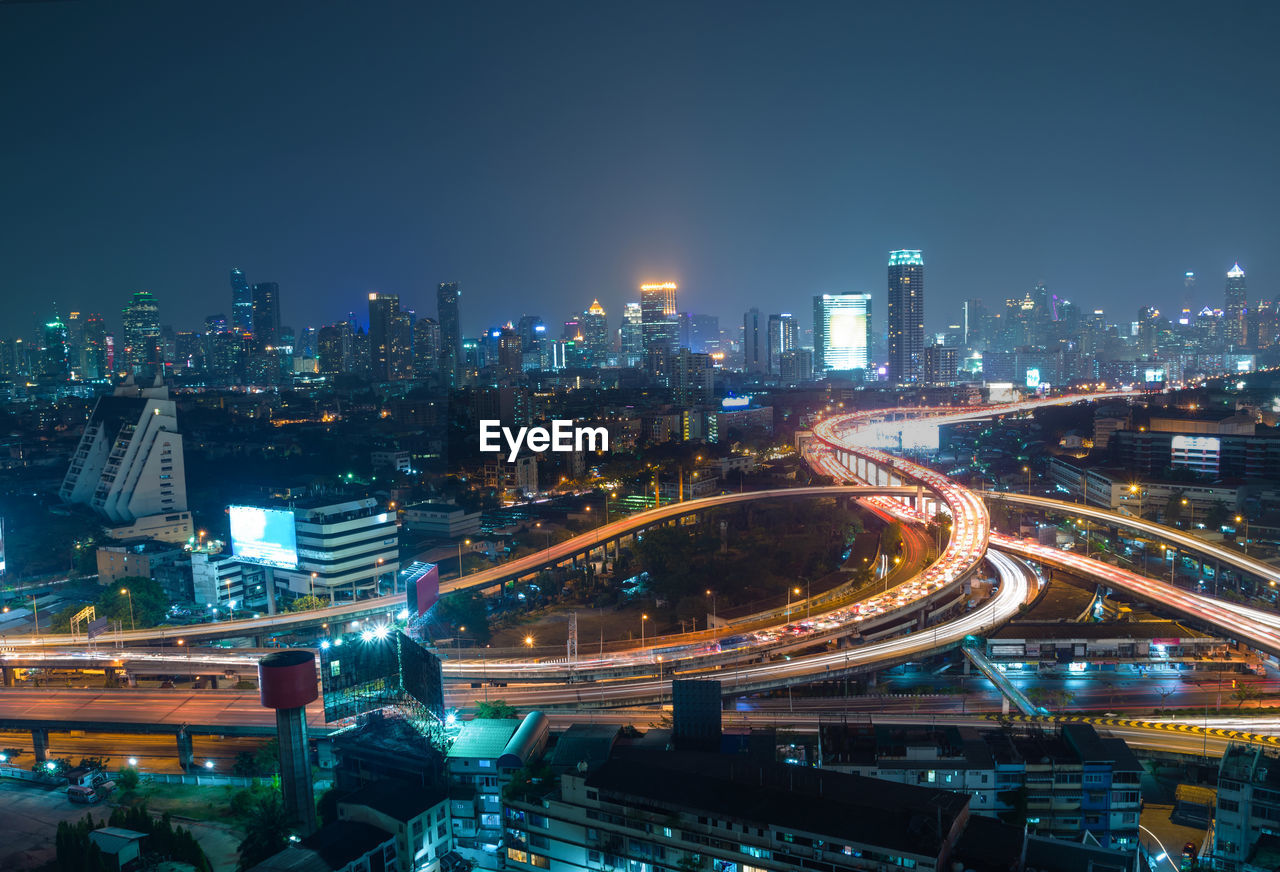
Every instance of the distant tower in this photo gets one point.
(755, 343)
(595, 332)
(1236, 309)
(266, 315)
(141, 331)
(841, 332)
(631, 333)
(905, 316)
(287, 683)
(784, 336)
(658, 317)
(241, 303)
(448, 313)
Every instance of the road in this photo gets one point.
(153, 753)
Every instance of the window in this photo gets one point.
(540, 861)
(489, 820)
(485, 764)
(537, 820)
(1228, 805)
(517, 855)
(537, 840)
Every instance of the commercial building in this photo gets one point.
(658, 317)
(448, 303)
(784, 338)
(390, 338)
(141, 321)
(1115, 488)
(905, 316)
(266, 315)
(241, 303)
(755, 343)
(441, 520)
(1247, 816)
(841, 332)
(134, 559)
(344, 549)
(1235, 309)
(128, 466)
(217, 580)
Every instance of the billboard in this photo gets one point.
(421, 587)
(1153, 375)
(364, 672)
(421, 675)
(1033, 377)
(264, 536)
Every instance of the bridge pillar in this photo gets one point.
(1004, 704)
(40, 743)
(186, 750)
(6, 676)
(213, 682)
(871, 679)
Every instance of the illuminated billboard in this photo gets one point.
(264, 536)
(1033, 378)
(380, 667)
(1154, 376)
(1198, 453)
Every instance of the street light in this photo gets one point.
(125, 592)
(1027, 470)
(460, 544)
(528, 641)
(1240, 518)
(1134, 489)
(790, 591)
(643, 618)
(1192, 524)
(712, 594)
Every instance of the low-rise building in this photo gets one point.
(133, 559)
(441, 520)
(417, 816)
(1247, 815)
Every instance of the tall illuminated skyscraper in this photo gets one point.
(448, 308)
(1235, 309)
(390, 338)
(631, 333)
(595, 333)
(842, 332)
(266, 315)
(905, 316)
(784, 336)
(659, 317)
(241, 303)
(141, 331)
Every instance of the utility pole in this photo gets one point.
(572, 648)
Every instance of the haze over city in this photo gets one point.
(554, 154)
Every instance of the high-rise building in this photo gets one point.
(658, 317)
(796, 367)
(426, 346)
(704, 333)
(972, 316)
(784, 336)
(690, 377)
(335, 348)
(448, 304)
(1236, 309)
(631, 333)
(755, 343)
(241, 303)
(95, 346)
(941, 363)
(55, 356)
(841, 332)
(390, 338)
(595, 333)
(532, 330)
(905, 316)
(75, 344)
(128, 466)
(266, 315)
(142, 332)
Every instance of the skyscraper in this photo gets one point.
(448, 298)
(755, 343)
(390, 338)
(658, 317)
(784, 336)
(595, 333)
(631, 333)
(95, 346)
(1236, 309)
(241, 303)
(55, 355)
(906, 316)
(266, 315)
(141, 332)
(842, 332)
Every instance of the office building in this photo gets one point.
(426, 346)
(241, 303)
(703, 333)
(345, 549)
(796, 367)
(905, 316)
(941, 364)
(631, 334)
(1235, 309)
(94, 353)
(335, 348)
(55, 353)
(141, 321)
(691, 378)
(841, 332)
(266, 315)
(217, 580)
(448, 304)
(128, 466)
(755, 343)
(594, 327)
(390, 339)
(1247, 814)
(658, 317)
(784, 337)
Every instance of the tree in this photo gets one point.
(1245, 692)
(127, 779)
(1217, 515)
(1173, 509)
(891, 538)
(307, 603)
(496, 710)
(465, 609)
(267, 830)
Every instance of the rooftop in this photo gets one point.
(397, 799)
(484, 737)
(911, 819)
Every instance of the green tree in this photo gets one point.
(1244, 693)
(1217, 515)
(127, 779)
(465, 609)
(307, 603)
(1173, 509)
(149, 608)
(498, 709)
(266, 832)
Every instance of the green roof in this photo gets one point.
(484, 737)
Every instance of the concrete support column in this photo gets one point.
(1004, 704)
(186, 751)
(40, 742)
(213, 682)
(871, 679)
(7, 676)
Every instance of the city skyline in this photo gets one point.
(1009, 161)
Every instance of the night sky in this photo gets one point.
(543, 154)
